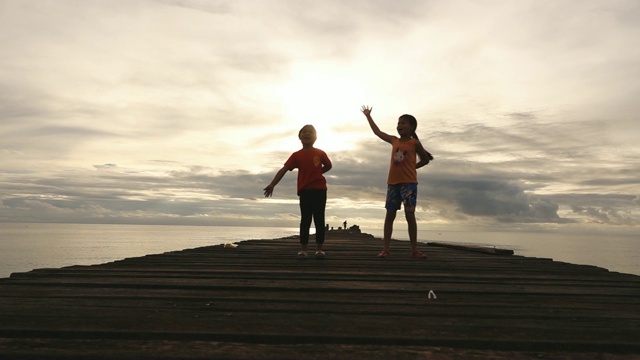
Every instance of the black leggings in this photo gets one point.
(312, 204)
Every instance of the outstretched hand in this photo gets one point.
(268, 191)
(366, 110)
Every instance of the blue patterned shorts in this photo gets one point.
(398, 194)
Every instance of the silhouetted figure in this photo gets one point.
(402, 181)
(311, 163)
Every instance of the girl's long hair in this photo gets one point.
(411, 120)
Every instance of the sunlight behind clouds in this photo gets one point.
(327, 97)
(191, 107)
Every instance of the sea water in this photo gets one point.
(24, 247)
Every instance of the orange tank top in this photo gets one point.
(402, 169)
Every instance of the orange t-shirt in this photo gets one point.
(403, 162)
(309, 164)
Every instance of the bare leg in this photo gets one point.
(388, 228)
(413, 230)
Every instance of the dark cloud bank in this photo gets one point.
(452, 191)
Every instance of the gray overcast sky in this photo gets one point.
(181, 111)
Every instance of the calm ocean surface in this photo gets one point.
(24, 247)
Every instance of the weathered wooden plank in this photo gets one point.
(259, 293)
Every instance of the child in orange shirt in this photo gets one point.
(402, 182)
(312, 163)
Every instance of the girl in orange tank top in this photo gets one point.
(402, 182)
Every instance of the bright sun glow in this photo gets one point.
(328, 100)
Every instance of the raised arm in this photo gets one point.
(268, 191)
(366, 110)
(423, 154)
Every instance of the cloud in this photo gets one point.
(605, 215)
(450, 190)
(502, 201)
(173, 111)
(208, 6)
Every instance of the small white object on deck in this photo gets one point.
(432, 295)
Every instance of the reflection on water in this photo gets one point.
(24, 247)
(615, 252)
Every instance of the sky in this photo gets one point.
(181, 111)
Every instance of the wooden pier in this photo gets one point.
(258, 301)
